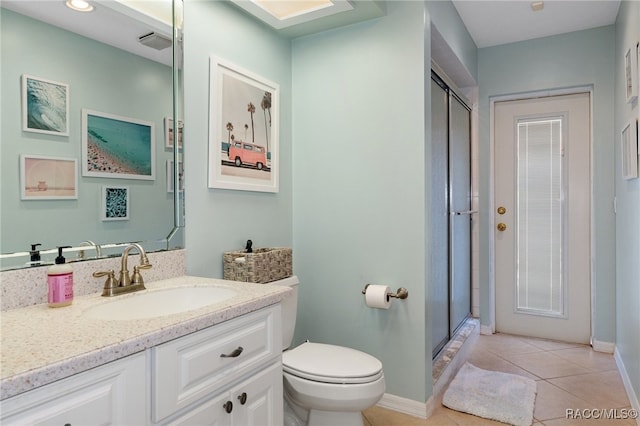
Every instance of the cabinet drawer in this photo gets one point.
(108, 395)
(200, 364)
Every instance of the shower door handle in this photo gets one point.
(464, 212)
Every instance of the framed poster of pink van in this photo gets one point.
(243, 129)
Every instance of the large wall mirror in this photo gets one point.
(90, 154)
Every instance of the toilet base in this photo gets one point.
(295, 415)
(335, 418)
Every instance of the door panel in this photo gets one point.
(440, 218)
(542, 215)
(460, 213)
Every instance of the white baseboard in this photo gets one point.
(486, 330)
(606, 347)
(403, 405)
(631, 394)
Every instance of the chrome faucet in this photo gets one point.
(125, 283)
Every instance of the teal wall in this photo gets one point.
(628, 206)
(219, 220)
(446, 19)
(575, 59)
(354, 177)
(100, 78)
(360, 189)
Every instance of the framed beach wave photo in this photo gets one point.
(45, 106)
(117, 147)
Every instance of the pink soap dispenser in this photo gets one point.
(60, 282)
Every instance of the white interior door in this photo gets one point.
(542, 196)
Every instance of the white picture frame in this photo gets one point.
(48, 178)
(115, 203)
(117, 147)
(629, 150)
(631, 73)
(168, 133)
(45, 106)
(243, 129)
(170, 176)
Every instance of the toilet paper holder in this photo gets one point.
(401, 293)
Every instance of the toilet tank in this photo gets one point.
(289, 309)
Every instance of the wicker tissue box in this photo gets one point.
(262, 266)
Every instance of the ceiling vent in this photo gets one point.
(155, 41)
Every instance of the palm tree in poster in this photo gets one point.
(229, 129)
(266, 107)
(252, 109)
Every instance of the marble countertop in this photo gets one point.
(41, 345)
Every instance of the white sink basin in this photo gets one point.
(156, 303)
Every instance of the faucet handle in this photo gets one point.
(136, 278)
(110, 284)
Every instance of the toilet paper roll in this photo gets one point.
(376, 296)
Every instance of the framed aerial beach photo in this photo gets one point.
(631, 73)
(168, 133)
(243, 129)
(117, 147)
(629, 150)
(115, 203)
(48, 178)
(170, 184)
(45, 106)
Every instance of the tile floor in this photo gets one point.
(569, 376)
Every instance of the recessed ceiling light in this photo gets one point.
(537, 6)
(79, 5)
(286, 13)
(289, 9)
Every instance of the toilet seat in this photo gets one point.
(331, 364)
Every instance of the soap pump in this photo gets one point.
(60, 282)
(35, 255)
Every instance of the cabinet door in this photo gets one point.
(262, 396)
(255, 401)
(115, 393)
(211, 413)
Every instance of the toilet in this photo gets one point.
(324, 385)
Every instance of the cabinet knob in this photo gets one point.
(228, 406)
(243, 398)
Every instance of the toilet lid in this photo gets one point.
(331, 364)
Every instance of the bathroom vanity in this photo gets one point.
(220, 362)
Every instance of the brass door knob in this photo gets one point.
(501, 210)
(501, 227)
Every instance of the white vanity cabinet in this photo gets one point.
(112, 394)
(230, 374)
(226, 374)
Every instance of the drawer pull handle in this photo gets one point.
(228, 406)
(233, 354)
(243, 398)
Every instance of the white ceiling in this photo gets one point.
(111, 22)
(492, 23)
